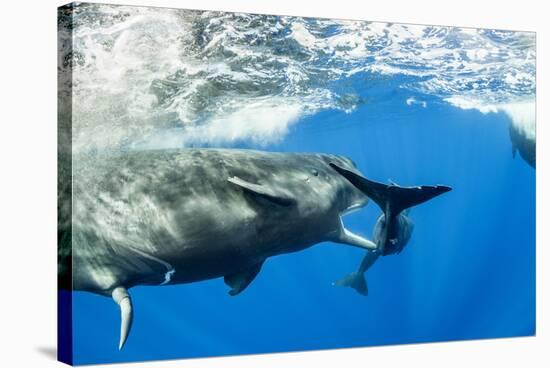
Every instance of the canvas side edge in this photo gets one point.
(64, 184)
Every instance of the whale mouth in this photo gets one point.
(352, 208)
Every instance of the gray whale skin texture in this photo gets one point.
(178, 216)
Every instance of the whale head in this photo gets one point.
(347, 196)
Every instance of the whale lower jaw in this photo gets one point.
(344, 236)
(352, 208)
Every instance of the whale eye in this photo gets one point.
(315, 172)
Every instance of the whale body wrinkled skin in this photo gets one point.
(179, 216)
(199, 213)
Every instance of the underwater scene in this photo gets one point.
(244, 184)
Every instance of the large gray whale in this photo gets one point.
(179, 216)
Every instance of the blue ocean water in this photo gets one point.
(468, 272)
(412, 104)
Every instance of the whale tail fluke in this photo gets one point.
(355, 280)
(392, 198)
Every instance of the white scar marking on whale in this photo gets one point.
(170, 270)
(168, 276)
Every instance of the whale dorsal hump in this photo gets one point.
(272, 194)
(240, 280)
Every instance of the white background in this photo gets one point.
(28, 181)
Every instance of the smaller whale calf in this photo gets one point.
(403, 231)
(393, 229)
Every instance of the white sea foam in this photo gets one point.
(261, 123)
(302, 35)
(219, 78)
(521, 113)
(413, 101)
(471, 104)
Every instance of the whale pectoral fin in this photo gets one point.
(273, 195)
(240, 280)
(122, 298)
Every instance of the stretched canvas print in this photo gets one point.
(239, 183)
